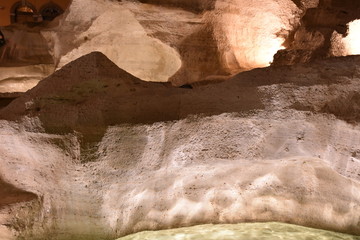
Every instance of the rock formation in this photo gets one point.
(155, 118)
(321, 32)
(221, 37)
(189, 41)
(107, 154)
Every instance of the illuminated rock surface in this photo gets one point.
(189, 41)
(114, 31)
(107, 146)
(247, 231)
(229, 37)
(108, 155)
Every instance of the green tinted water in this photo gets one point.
(243, 231)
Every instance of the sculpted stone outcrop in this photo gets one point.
(107, 154)
(321, 32)
(95, 152)
(190, 41)
(216, 38)
(219, 38)
(114, 31)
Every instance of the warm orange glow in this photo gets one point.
(268, 50)
(352, 41)
(252, 46)
(8, 8)
(25, 9)
(249, 37)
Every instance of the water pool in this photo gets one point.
(242, 231)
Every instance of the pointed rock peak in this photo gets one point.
(92, 61)
(84, 68)
(89, 77)
(88, 73)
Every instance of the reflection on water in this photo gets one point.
(243, 231)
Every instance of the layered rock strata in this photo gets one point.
(107, 154)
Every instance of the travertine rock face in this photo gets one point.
(204, 38)
(114, 31)
(96, 152)
(93, 81)
(248, 38)
(320, 35)
(208, 39)
(108, 154)
(189, 41)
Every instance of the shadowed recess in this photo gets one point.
(10, 194)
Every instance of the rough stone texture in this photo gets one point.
(108, 154)
(207, 38)
(190, 41)
(214, 38)
(24, 59)
(94, 152)
(93, 82)
(314, 37)
(112, 29)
